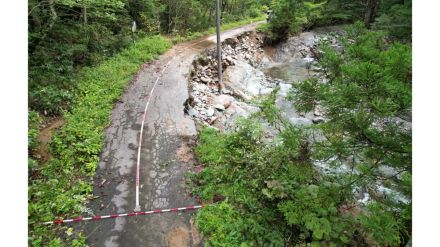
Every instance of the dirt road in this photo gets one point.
(165, 156)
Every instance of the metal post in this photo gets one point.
(133, 29)
(219, 52)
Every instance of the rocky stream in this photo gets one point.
(252, 69)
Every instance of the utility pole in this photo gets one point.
(219, 52)
(133, 29)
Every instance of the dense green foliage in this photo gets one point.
(292, 16)
(396, 19)
(63, 184)
(272, 191)
(367, 101)
(34, 121)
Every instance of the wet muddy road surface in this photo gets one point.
(165, 158)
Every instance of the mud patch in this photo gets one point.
(185, 153)
(195, 234)
(45, 137)
(178, 237)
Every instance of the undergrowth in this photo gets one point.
(34, 122)
(65, 182)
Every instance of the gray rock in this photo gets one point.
(224, 100)
(229, 60)
(245, 78)
(300, 121)
(317, 113)
(219, 107)
(226, 91)
(318, 120)
(205, 79)
(284, 88)
(387, 171)
(201, 87)
(308, 59)
(192, 112)
(210, 112)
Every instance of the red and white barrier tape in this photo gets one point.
(112, 216)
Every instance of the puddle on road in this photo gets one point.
(203, 44)
(178, 237)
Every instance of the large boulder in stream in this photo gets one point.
(223, 100)
(288, 111)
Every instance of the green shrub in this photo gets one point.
(397, 21)
(382, 226)
(34, 122)
(50, 99)
(305, 95)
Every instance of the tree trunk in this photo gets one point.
(36, 21)
(53, 18)
(210, 15)
(371, 12)
(224, 5)
(84, 15)
(232, 6)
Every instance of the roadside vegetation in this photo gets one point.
(262, 192)
(61, 187)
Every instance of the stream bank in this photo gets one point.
(252, 70)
